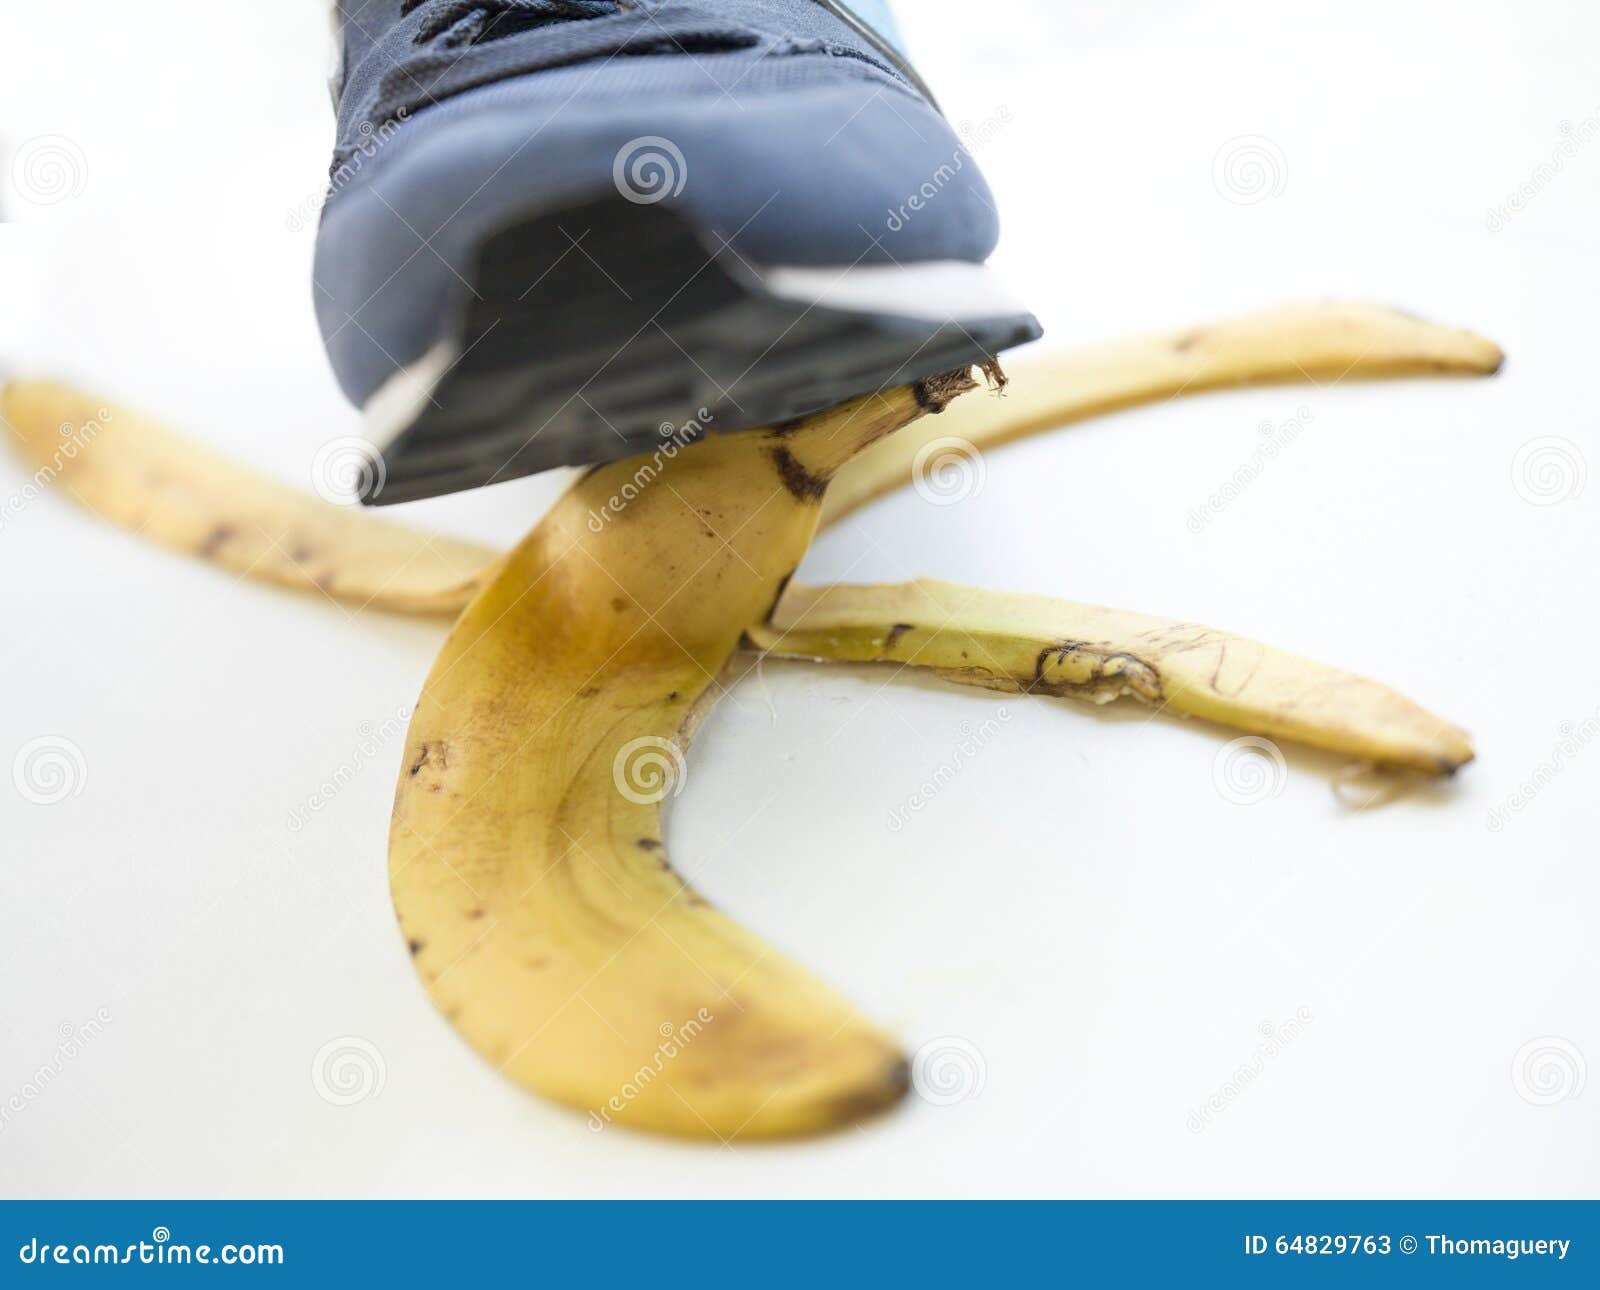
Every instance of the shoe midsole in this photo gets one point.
(930, 290)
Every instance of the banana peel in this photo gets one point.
(1026, 644)
(171, 490)
(1320, 342)
(526, 855)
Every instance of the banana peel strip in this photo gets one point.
(1028, 644)
(1321, 342)
(169, 489)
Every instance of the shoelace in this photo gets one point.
(470, 22)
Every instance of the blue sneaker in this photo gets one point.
(558, 228)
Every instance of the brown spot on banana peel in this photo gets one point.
(216, 539)
(783, 429)
(932, 395)
(1077, 669)
(802, 484)
(895, 633)
(894, 1085)
(783, 586)
(434, 758)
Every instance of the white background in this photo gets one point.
(1079, 905)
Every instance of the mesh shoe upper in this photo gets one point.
(773, 123)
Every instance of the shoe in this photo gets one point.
(559, 229)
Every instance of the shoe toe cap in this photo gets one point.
(838, 170)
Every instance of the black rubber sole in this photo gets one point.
(593, 332)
